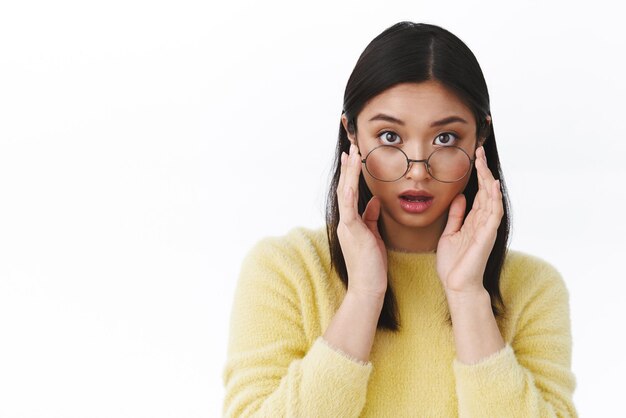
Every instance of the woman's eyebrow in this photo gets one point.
(449, 119)
(444, 121)
(387, 118)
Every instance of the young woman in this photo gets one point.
(408, 303)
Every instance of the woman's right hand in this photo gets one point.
(362, 246)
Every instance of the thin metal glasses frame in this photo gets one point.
(426, 161)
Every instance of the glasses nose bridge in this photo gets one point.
(410, 161)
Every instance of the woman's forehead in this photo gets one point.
(415, 103)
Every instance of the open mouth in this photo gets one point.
(416, 201)
(416, 198)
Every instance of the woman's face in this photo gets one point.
(427, 116)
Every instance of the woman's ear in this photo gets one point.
(344, 122)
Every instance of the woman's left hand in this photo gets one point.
(464, 247)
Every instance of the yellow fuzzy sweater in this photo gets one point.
(279, 365)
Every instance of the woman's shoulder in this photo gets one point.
(300, 245)
(521, 259)
(527, 274)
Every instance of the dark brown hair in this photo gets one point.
(417, 52)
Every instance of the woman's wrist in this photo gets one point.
(353, 327)
(475, 329)
(464, 297)
(366, 296)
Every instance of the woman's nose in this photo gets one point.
(417, 171)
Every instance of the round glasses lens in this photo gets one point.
(386, 163)
(449, 164)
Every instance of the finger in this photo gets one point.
(479, 202)
(353, 170)
(488, 178)
(479, 180)
(455, 215)
(345, 196)
(347, 210)
(477, 160)
(483, 172)
(348, 207)
(482, 201)
(493, 215)
(497, 207)
(371, 214)
(351, 184)
(342, 172)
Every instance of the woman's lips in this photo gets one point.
(415, 204)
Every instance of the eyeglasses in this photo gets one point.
(446, 164)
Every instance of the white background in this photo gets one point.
(146, 146)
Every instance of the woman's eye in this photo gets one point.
(447, 138)
(389, 137)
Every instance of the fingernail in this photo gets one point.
(344, 156)
(352, 147)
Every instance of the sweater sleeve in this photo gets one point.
(271, 369)
(530, 377)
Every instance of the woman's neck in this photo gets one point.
(413, 240)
